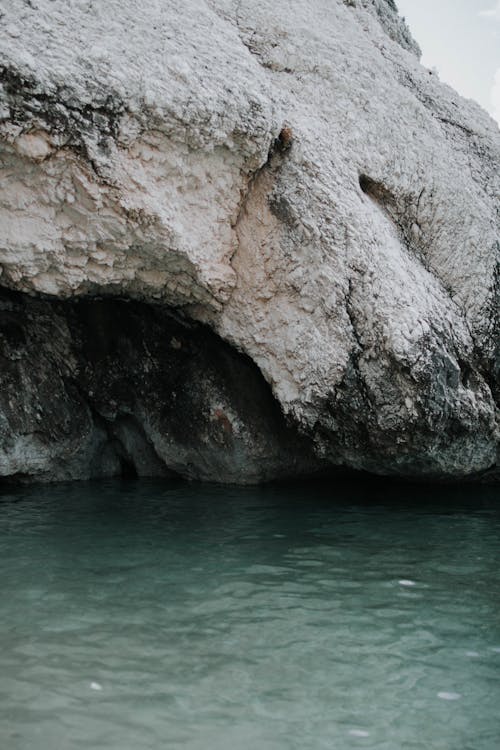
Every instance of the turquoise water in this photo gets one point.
(143, 614)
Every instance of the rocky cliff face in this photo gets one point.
(286, 183)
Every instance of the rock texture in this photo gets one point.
(287, 175)
(98, 388)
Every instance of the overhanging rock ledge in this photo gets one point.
(286, 181)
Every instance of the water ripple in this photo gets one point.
(151, 616)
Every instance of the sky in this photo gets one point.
(461, 39)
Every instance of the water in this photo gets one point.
(152, 615)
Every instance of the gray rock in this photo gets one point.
(288, 176)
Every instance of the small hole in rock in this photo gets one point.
(365, 183)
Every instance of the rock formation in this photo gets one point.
(103, 387)
(285, 192)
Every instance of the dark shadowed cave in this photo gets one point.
(107, 387)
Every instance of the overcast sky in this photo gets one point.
(461, 38)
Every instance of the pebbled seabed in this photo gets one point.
(148, 614)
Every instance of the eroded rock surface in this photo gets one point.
(291, 177)
(98, 388)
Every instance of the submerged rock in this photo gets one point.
(290, 177)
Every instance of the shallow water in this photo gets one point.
(153, 615)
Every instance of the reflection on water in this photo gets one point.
(152, 615)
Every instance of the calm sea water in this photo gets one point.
(142, 614)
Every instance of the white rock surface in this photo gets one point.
(357, 266)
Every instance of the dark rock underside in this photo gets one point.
(99, 388)
(107, 387)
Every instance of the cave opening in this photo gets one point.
(101, 387)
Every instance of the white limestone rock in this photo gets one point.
(354, 258)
